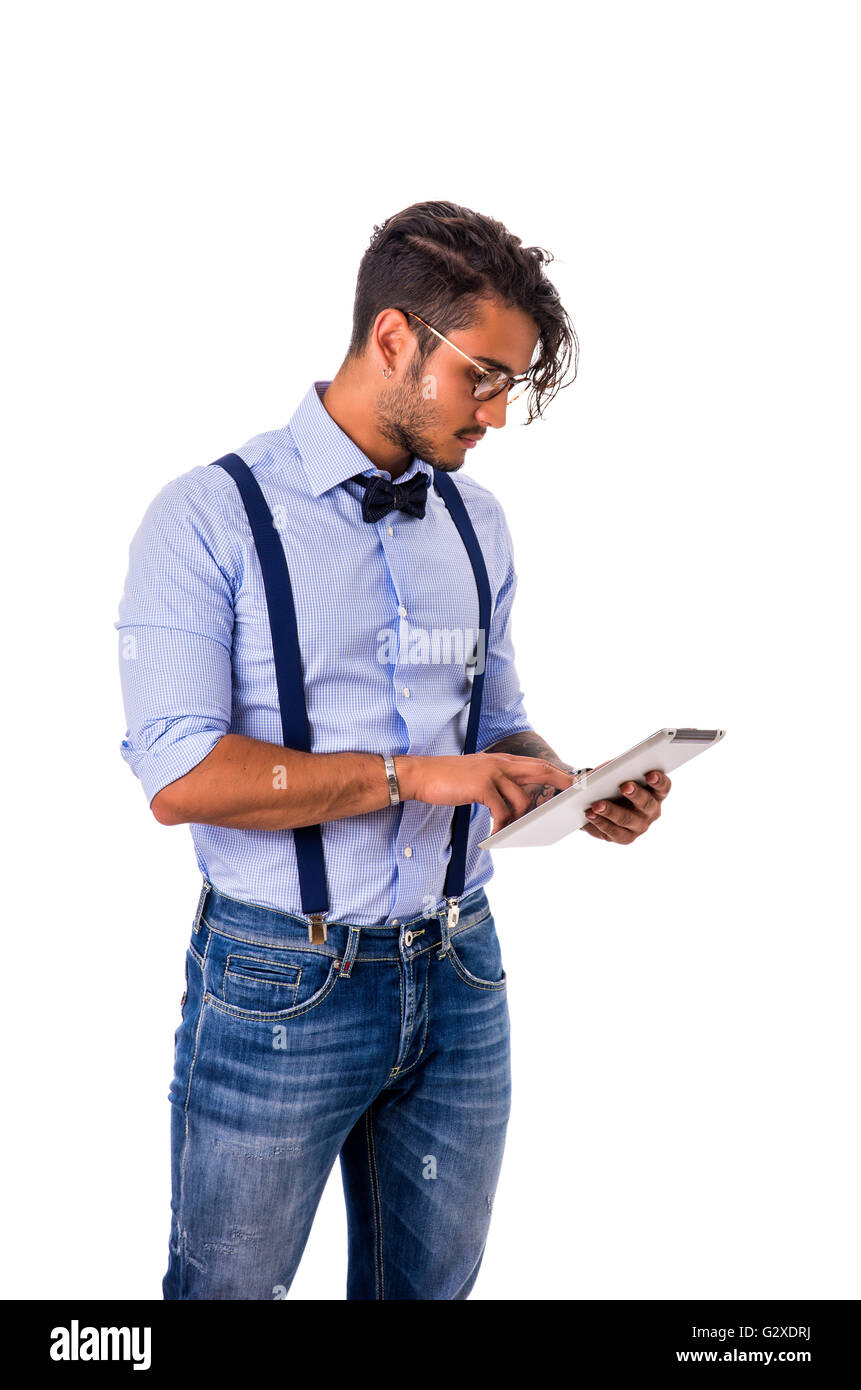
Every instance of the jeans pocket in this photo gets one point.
(268, 982)
(262, 985)
(476, 956)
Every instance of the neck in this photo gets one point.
(346, 400)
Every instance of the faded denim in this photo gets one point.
(387, 1046)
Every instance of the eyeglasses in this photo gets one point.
(492, 382)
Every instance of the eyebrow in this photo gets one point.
(502, 366)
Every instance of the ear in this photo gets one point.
(392, 344)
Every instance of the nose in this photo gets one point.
(491, 414)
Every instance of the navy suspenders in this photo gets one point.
(291, 683)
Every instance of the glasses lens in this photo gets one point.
(490, 385)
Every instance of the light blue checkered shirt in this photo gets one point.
(384, 612)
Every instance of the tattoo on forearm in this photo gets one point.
(531, 745)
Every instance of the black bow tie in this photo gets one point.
(382, 496)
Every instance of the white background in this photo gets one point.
(189, 190)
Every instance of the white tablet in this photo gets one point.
(566, 811)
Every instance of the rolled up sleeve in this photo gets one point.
(502, 702)
(175, 630)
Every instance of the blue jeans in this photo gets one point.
(388, 1046)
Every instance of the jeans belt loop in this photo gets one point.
(448, 916)
(201, 903)
(350, 953)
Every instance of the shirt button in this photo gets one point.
(402, 611)
(390, 531)
(408, 850)
(407, 691)
(396, 922)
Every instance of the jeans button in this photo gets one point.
(408, 938)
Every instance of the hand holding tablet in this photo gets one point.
(566, 812)
(623, 822)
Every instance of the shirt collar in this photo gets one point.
(328, 454)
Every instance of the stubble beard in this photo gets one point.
(404, 419)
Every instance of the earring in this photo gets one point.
(387, 371)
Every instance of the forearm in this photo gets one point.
(529, 745)
(247, 784)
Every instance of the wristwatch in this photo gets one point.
(394, 789)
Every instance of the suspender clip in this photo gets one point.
(316, 929)
(453, 912)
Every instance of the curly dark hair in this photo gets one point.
(441, 260)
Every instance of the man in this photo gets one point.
(345, 990)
